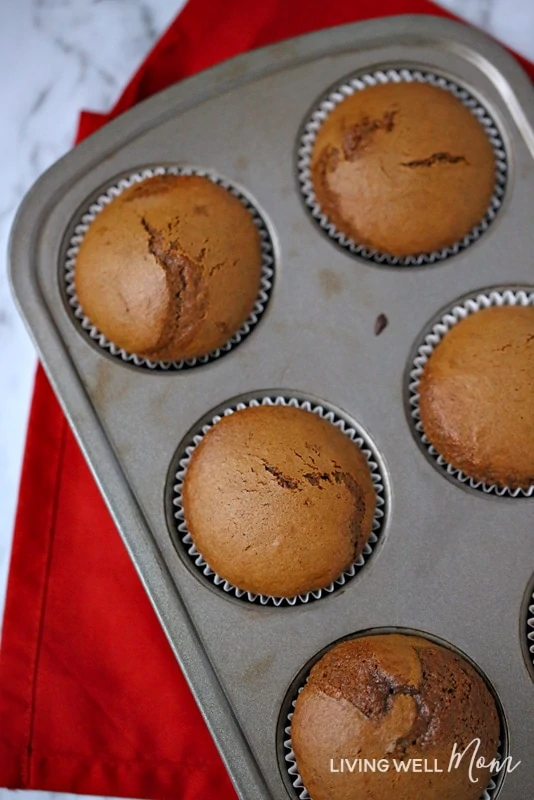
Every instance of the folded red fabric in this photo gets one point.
(91, 698)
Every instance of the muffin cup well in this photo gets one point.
(185, 541)
(358, 83)
(458, 312)
(286, 755)
(81, 225)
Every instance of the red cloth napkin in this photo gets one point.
(91, 698)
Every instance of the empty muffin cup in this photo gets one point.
(294, 505)
(402, 167)
(144, 262)
(470, 386)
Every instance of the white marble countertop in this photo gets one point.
(60, 56)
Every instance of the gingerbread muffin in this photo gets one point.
(278, 501)
(170, 269)
(477, 395)
(403, 168)
(393, 697)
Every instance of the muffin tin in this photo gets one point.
(452, 562)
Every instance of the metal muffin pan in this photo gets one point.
(452, 562)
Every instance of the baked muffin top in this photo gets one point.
(278, 501)
(393, 696)
(170, 269)
(403, 168)
(476, 395)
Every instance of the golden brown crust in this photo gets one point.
(170, 269)
(476, 395)
(403, 168)
(278, 501)
(393, 697)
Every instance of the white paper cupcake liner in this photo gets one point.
(88, 215)
(290, 761)
(506, 297)
(326, 413)
(529, 630)
(358, 83)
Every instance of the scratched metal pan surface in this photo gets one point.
(452, 562)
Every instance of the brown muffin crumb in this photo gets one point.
(475, 394)
(170, 269)
(391, 697)
(278, 501)
(403, 168)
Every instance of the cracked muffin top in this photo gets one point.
(392, 697)
(403, 168)
(278, 501)
(476, 395)
(170, 269)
